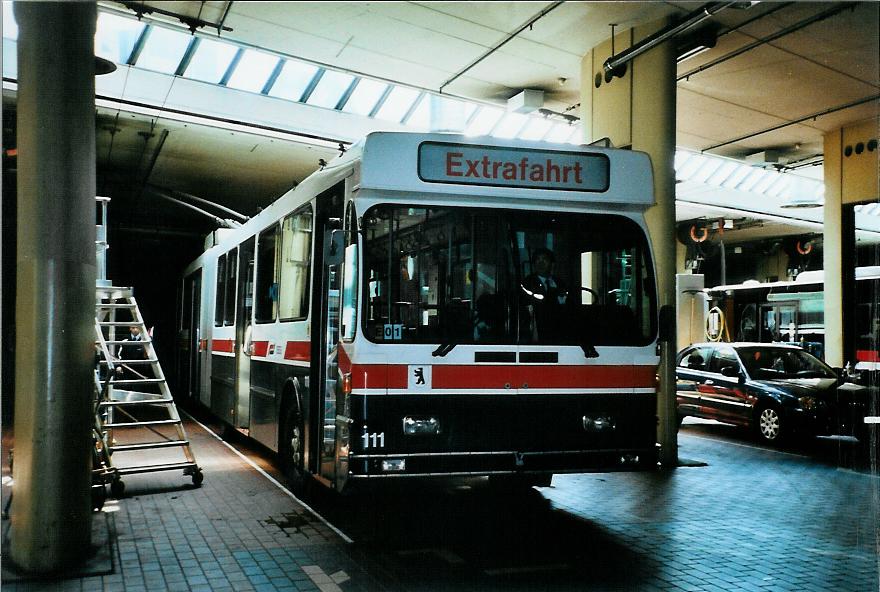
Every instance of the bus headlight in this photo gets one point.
(425, 425)
(599, 423)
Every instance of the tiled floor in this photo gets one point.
(752, 519)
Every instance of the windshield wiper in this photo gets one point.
(589, 350)
(444, 349)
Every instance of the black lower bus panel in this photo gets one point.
(410, 435)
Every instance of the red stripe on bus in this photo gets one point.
(394, 376)
(457, 377)
(379, 376)
(867, 355)
(261, 348)
(298, 350)
(223, 345)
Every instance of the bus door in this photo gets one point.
(328, 362)
(190, 336)
(325, 334)
(778, 322)
(243, 343)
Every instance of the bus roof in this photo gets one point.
(492, 167)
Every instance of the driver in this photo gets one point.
(542, 285)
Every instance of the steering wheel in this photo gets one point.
(597, 298)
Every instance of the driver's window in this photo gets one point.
(723, 358)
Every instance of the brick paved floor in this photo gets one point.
(238, 531)
(751, 520)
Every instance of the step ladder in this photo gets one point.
(135, 410)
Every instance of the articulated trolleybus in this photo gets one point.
(389, 317)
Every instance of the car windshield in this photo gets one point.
(455, 275)
(767, 363)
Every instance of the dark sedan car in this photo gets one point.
(778, 390)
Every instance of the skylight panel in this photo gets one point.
(722, 174)
(766, 182)
(737, 176)
(10, 27)
(330, 89)
(779, 185)
(252, 71)
(210, 61)
(751, 180)
(692, 166)
(163, 50)
(536, 128)
(115, 36)
(397, 104)
(421, 115)
(705, 170)
(483, 122)
(365, 96)
(450, 114)
(293, 80)
(681, 157)
(559, 133)
(510, 126)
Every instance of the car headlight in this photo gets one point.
(809, 402)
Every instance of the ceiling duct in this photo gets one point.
(527, 101)
(766, 158)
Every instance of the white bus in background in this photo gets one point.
(373, 323)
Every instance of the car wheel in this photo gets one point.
(770, 425)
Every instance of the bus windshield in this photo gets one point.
(457, 275)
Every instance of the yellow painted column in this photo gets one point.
(851, 177)
(637, 111)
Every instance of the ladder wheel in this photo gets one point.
(198, 477)
(117, 488)
(99, 496)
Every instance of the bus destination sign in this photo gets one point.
(526, 168)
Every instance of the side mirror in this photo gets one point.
(334, 250)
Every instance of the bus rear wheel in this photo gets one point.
(292, 447)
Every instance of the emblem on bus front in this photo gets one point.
(419, 377)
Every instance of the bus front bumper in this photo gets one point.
(465, 464)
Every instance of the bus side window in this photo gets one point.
(220, 291)
(267, 287)
(231, 284)
(295, 264)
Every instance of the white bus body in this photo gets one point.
(373, 322)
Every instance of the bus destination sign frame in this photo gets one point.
(521, 168)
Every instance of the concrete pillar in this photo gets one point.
(850, 171)
(638, 111)
(51, 508)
